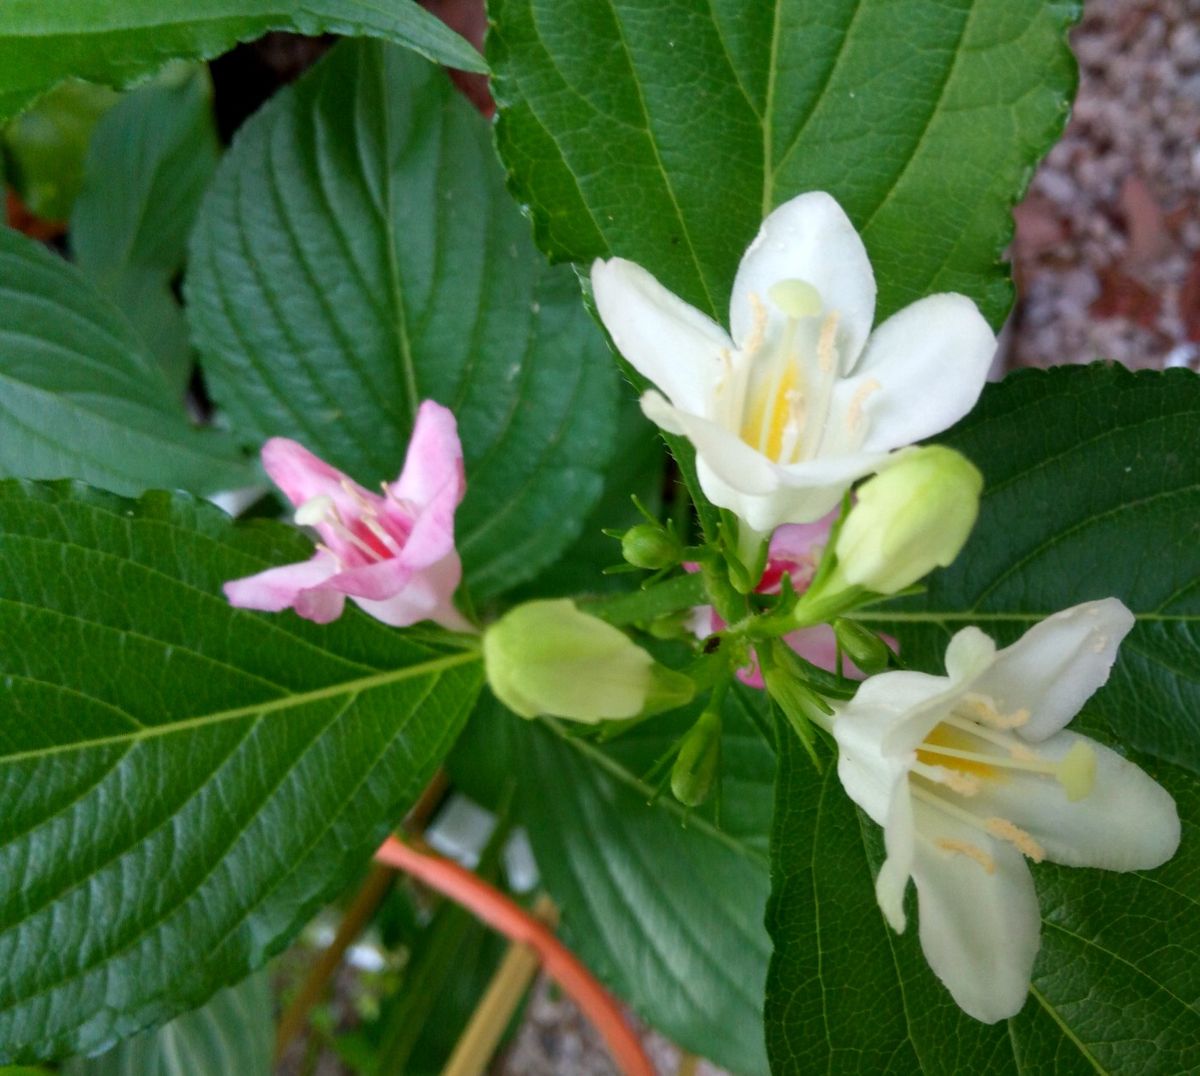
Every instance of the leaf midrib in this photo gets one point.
(260, 709)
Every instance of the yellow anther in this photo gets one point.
(758, 325)
(971, 851)
(796, 298)
(1017, 837)
(826, 343)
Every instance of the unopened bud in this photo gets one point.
(910, 518)
(547, 657)
(698, 762)
(862, 646)
(650, 546)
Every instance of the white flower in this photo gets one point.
(971, 772)
(800, 399)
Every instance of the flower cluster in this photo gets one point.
(970, 773)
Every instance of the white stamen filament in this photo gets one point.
(1032, 765)
(322, 510)
(1001, 828)
(372, 524)
(824, 377)
(1075, 771)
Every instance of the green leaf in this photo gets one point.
(182, 784)
(45, 147)
(665, 132)
(664, 905)
(150, 160)
(81, 397)
(120, 41)
(233, 1033)
(358, 253)
(1089, 492)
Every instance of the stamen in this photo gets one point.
(1017, 837)
(1033, 765)
(1001, 828)
(758, 325)
(854, 413)
(323, 510)
(374, 527)
(358, 498)
(325, 549)
(826, 349)
(955, 780)
(983, 709)
(971, 851)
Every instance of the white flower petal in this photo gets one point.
(922, 370)
(1054, 668)
(868, 772)
(969, 654)
(899, 836)
(980, 930)
(809, 238)
(1128, 821)
(735, 476)
(673, 344)
(736, 460)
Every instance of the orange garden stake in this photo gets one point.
(510, 919)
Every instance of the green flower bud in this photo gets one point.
(698, 761)
(547, 657)
(909, 519)
(650, 546)
(862, 646)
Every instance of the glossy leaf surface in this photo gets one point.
(120, 41)
(150, 160)
(182, 784)
(663, 904)
(80, 394)
(357, 254)
(664, 132)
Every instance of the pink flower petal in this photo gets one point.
(433, 468)
(394, 555)
(277, 588)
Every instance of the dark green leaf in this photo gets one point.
(233, 1035)
(81, 397)
(181, 784)
(358, 253)
(120, 41)
(664, 132)
(1090, 491)
(45, 147)
(150, 161)
(665, 906)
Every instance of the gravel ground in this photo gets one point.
(1107, 251)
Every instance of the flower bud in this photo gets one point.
(650, 546)
(698, 761)
(862, 646)
(547, 657)
(910, 518)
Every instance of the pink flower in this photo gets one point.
(393, 554)
(795, 551)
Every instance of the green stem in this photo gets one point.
(682, 592)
